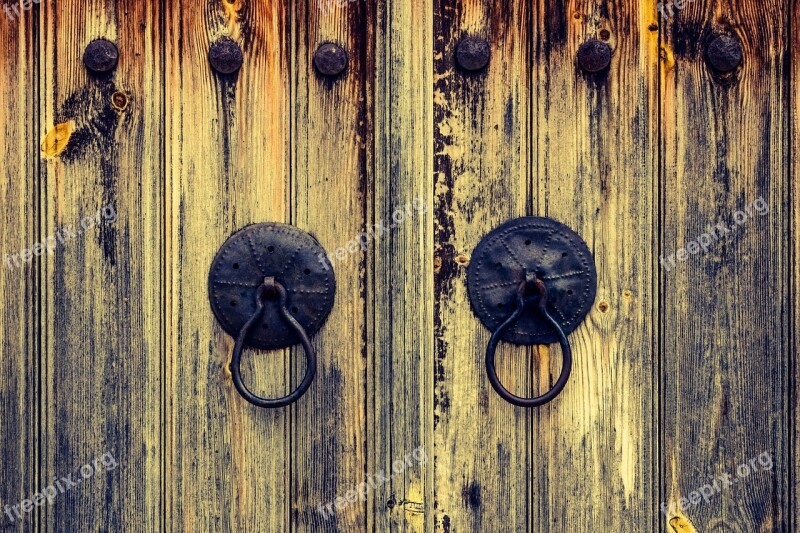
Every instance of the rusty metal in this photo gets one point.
(225, 56)
(531, 288)
(101, 56)
(555, 253)
(594, 55)
(531, 259)
(271, 290)
(271, 286)
(473, 53)
(725, 53)
(330, 59)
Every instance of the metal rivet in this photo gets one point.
(101, 56)
(472, 53)
(330, 59)
(225, 56)
(594, 55)
(725, 53)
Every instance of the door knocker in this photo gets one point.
(531, 280)
(271, 286)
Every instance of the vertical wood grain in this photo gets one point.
(725, 312)
(482, 177)
(329, 191)
(103, 314)
(20, 392)
(794, 259)
(228, 165)
(401, 290)
(682, 372)
(595, 164)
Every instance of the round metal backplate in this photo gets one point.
(295, 259)
(555, 253)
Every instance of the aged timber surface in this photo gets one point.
(103, 290)
(482, 177)
(682, 373)
(724, 313)
(20, 385)
(227, 165)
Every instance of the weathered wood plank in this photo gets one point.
(329, 191)
(794, 259)
(102, 331)
(228, 165)
(20, 390)
(725, 307)
(595, 160)
(401, 287)
(482, 178)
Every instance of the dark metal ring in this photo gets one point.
(523, 292)
(270, 289)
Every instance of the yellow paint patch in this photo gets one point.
(57, 139)
(668, 57)
(680, 524)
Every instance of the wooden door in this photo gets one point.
(117, 407)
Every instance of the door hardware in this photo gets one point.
(531, 264)
(271, 286)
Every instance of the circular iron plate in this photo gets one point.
(295, 259)
(555, 253)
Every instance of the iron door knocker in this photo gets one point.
(531, 263)
(271, 286)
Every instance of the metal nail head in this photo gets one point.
(725, 53)
(101, 56)
(330, 59)
(594, 55)
(225, 56)
(472, 53)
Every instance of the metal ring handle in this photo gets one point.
(269, 289)
(522, 292)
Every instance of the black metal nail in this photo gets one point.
(725, 53)
(330, 59)
(225, 56)
(594, 55)
(101, 56)
(472, 53)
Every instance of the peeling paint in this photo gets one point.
(57, 139)
(453, 151)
